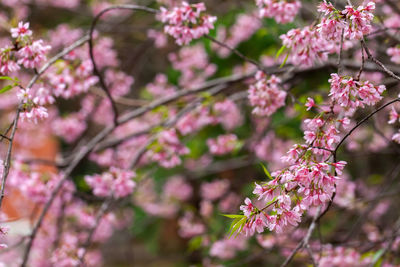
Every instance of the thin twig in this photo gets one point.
(7, 162)
(305, 240)
(239, 54)
(91, 52)
(102, 211)
(376, 61)
(364, 120)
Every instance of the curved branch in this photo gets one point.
(364, 120)
(7, 163)
(377, 62)
(91, 53)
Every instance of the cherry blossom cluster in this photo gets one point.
(32, 111)
(355, 23)
(168, 149)
(314, 43)
(308, 181)
(24, 52)
(117, 183)
(290, 193)
(394, 53)
(265, 95)
(187, 22)
(342, 256)
(194, 65)
(223, 144)
(34, 184)
(160, 87)
(305, 46)
(283, 11)
(225, 112)
(69, 128)
(214, 190)
(227, 248)
(175, 192)
(350, 93)
(190, 226)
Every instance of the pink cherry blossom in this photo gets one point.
(214, 190)
(223, 144)
(306, 46)
(178, 19)
(31, 56)
(265, 95)
(394, 53)
(248, 208)
(21, 31)
(116, 182)
(283, 11)
(168, 149)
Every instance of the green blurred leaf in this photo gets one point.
(266, 171)
(195, 243)
(7, 88)
(284, 61)
(280, 51)
(377, 256)
(233, 216)
(7, 78)
(237, 226)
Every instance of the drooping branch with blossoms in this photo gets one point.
(241, 84)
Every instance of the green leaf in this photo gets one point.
(233, 216)
(195, 243)
(6, 78)
(377, 256)
(235, 221)
(266, 171)
(238, 226)
(284, 61)
(9, 78)
(7, 88)
(280, 51)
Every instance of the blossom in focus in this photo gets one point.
(187, 22)
(306, 46)
(355, 23)
(351, 94)
(21, 31)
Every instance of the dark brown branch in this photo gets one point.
(96, 71)
(377, 62)
(235, 51)
(7, 162)
(364, 120)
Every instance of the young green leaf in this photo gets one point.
(238, 226)
(266, 171)
(6, 88)
(284, 61)
(6, 78)
(233, 216)
(280, 51)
